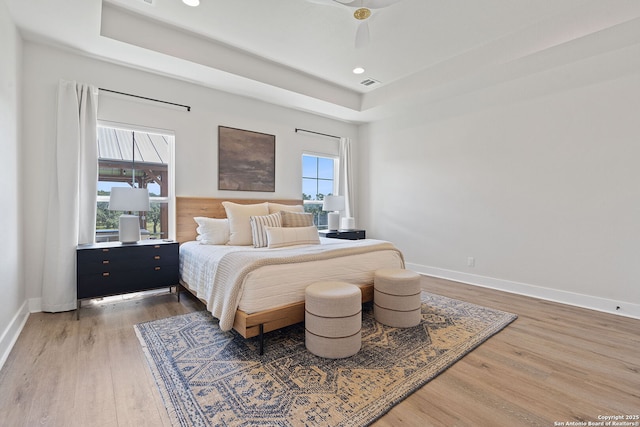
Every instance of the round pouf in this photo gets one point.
(333, 319)
(396, 297)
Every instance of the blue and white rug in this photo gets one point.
(212, 378)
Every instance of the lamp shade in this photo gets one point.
(129, 199)
(333, 203)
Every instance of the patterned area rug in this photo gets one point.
(213, 378)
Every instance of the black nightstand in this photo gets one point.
(113, 268)
(344, 234)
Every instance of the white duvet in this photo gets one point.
(256, 279)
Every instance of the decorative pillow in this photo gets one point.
(212, 231)
(277, 207)
(296, 219)
(258, 224)
(279, 237)
(239, 225)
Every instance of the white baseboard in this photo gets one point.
(11, 333)
(621, 308)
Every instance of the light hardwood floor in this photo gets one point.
(556, 363)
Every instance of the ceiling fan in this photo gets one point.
(362, 11)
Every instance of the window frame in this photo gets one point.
(336, 163)
(169, 199)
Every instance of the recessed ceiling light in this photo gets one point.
(358, 70)
(191, 2)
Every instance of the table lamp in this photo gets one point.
(129, 200)
(334, 204)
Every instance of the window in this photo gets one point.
(128, 157)
(318, 180)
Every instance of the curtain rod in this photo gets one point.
(148, 99)
(317, 133)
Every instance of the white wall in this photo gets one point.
(13, 308)
(195, 131)
(536, 178)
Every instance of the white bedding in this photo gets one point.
(279, 281)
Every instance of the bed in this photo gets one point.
(258, 290)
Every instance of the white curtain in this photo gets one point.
(72, 193)
(345, 176)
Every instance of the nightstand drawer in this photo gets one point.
(158, 255)
(94, 261)
(118, 282)
(124, 258)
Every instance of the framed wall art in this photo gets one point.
(246, 160)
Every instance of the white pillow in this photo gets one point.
(277, 207)
(239, 225)
(279, 237)
(258, 224)
(212, 231)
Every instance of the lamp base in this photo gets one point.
(129, 230)
(333, 219)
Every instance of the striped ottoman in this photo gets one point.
(396, 297)
(333, 319)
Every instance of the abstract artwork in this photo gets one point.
(246, 160)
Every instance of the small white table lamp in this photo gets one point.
(334, 204)
(129, 200)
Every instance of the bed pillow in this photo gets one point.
(277, 207)
(279, 237)
(296, 219)
(212, 231)
(258, 231)
(239, 225)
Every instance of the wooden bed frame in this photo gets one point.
(254, 324)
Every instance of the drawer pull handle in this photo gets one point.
(156, 246)
(156, 257)
(106, 261)
(105, 274)
(157, 268)
(105, 250)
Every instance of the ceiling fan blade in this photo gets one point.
(379, 4)
(325, 2)
(370, 4)
(362, 35)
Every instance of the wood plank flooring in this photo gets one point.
(553, 365)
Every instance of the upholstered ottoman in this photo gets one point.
(333, 319)
(396, 297)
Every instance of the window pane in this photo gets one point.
(151, 223)
(317, 182)
(325, 168)
(319, 216)
(152, 178)
(309, 166)
(154, 220)
(309, 189)
(155, 190)
(325, 188)
(104, 187)
(107, 220)
(131, 158)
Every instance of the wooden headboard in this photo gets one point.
(189, 207)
